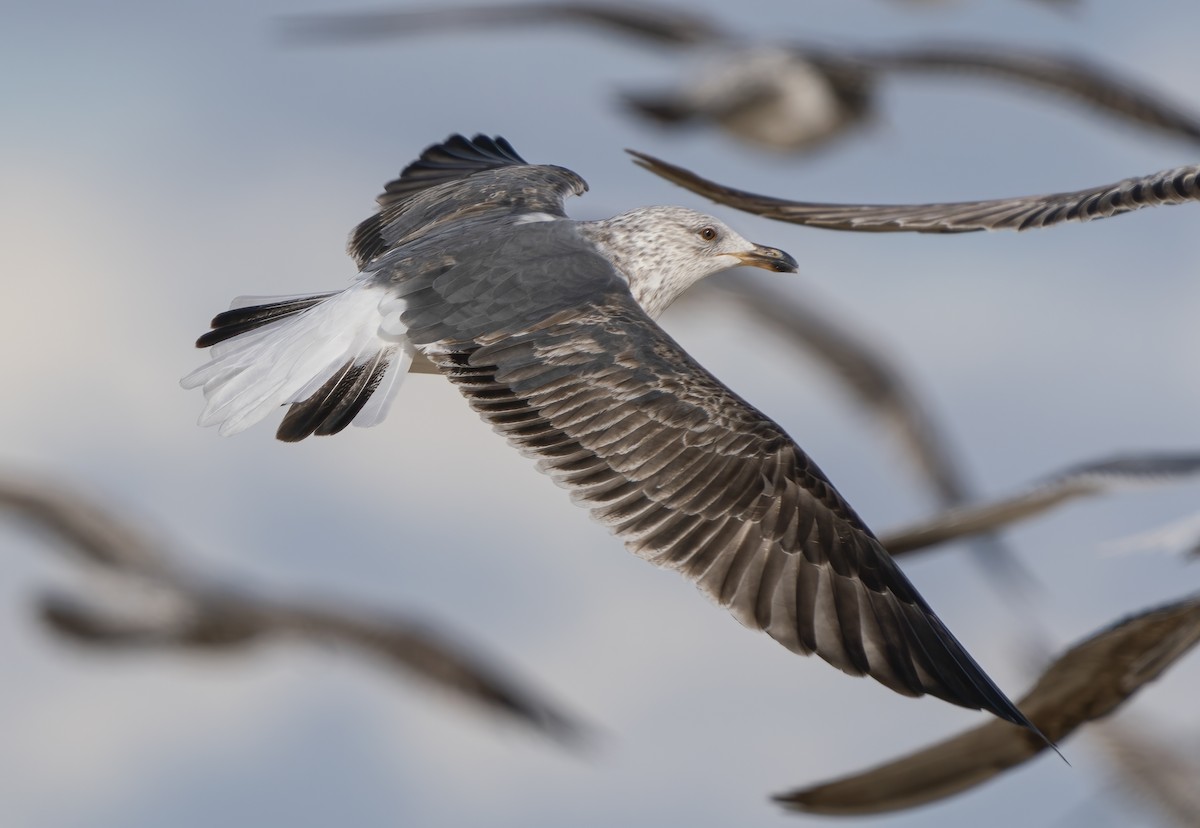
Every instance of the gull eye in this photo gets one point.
(708, 233)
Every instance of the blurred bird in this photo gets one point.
(164, 606)
(1174, 186)
(1084, 480)
(546, 326)
(1087, 682)
(786, 96)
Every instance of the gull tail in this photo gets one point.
(336, 358)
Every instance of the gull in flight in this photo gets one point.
(787, 96)
(546, 325)
(161, 603)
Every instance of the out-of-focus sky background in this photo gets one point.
(159, 159)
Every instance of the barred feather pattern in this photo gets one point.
(693, 479)
(1175, 186)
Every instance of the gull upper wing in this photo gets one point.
(1175, 186)
(548, 345)
(460, 179)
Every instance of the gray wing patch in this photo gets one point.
(461, 179)
(1175, 186)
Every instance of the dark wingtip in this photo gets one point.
(1036, 731)
(456, 157)
(235, 321)
(460, 152)
(1001, 707)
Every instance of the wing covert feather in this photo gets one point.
(460, 179)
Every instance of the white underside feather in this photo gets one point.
(288, 360)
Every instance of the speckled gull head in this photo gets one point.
(662, 251)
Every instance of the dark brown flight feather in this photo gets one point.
(407, 209)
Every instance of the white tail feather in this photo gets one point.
(287, 360)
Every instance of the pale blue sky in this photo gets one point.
(159, 159)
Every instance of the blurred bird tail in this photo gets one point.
(336, 358)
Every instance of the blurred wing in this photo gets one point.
(659, 25)
(673, 107)
(91, 532)
(1175, 186)
(686, 473)
(416, 648)
(461, 179)
(171, 612)
(1090, 84)
(1088, 682)
(1079, 481)
(1179, 537)
(185, 625)
(213, 620)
